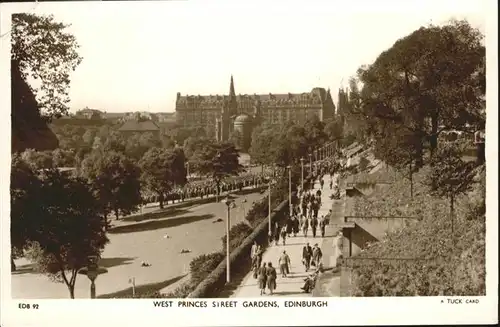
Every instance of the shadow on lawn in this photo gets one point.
(113, 262)
(165, 213)
(141, 289)
(157, 224)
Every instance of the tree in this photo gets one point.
(428, 81)
(162, 169)
(333, 129)
(314, 129)
(63, 158)
(115, 182)
(218, 161)
(29, 129)
(44, 51)
(88, 137)
(115, 142)
(262, 141)
(69, 230)
(451, 176)
(38, 159)
(24, 190)
(398, 147)
(192, 145)
(137, 144)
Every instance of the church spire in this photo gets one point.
(232, 103)
(231, 88)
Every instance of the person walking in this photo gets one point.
(322, 225)
(314, 225)
(289, 226)
(331, 182)
(262, 278)
(307, 253)
(276, 233)
(253, 250)
(284, 263)
(283, 234)
(271, 277)
(317, 255)
(305, 225)
(321, 182)
(295, 225)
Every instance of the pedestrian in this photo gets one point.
(322, 225)
(262, 278)
(283, 234)
(316, 205)
(321, 182)
(314, 225)
(307, 253)
(253, 250)
(331, 182)
(276, 234)
(317, 255)
(271, 277)
(328, 216)
(295, 225)
(258, 255)
(289, 226)
(305, 225)
(284, 263)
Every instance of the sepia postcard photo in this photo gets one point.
(210, 160)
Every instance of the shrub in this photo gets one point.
(181, 291)
(203, 265)
(237, 234)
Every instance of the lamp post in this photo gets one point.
(92, 271)
(290, 189)
(229, 202)
(302, 174)
(269, 209)
(310, 164)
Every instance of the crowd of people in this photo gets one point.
(304, 216)
(206, 188)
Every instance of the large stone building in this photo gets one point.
(222, 115)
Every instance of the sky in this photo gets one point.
(137, 55)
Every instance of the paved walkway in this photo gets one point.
(290, 286)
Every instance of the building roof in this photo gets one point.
(243, 118)
(139, 126)
(318, 95)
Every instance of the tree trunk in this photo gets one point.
(117, 214)
(71, 289)
(160, 199)
(12, 263)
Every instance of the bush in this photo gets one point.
(181, 291)
(237, 233)
(203, 265)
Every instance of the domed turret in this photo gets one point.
(243, 119)
(243, 127)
